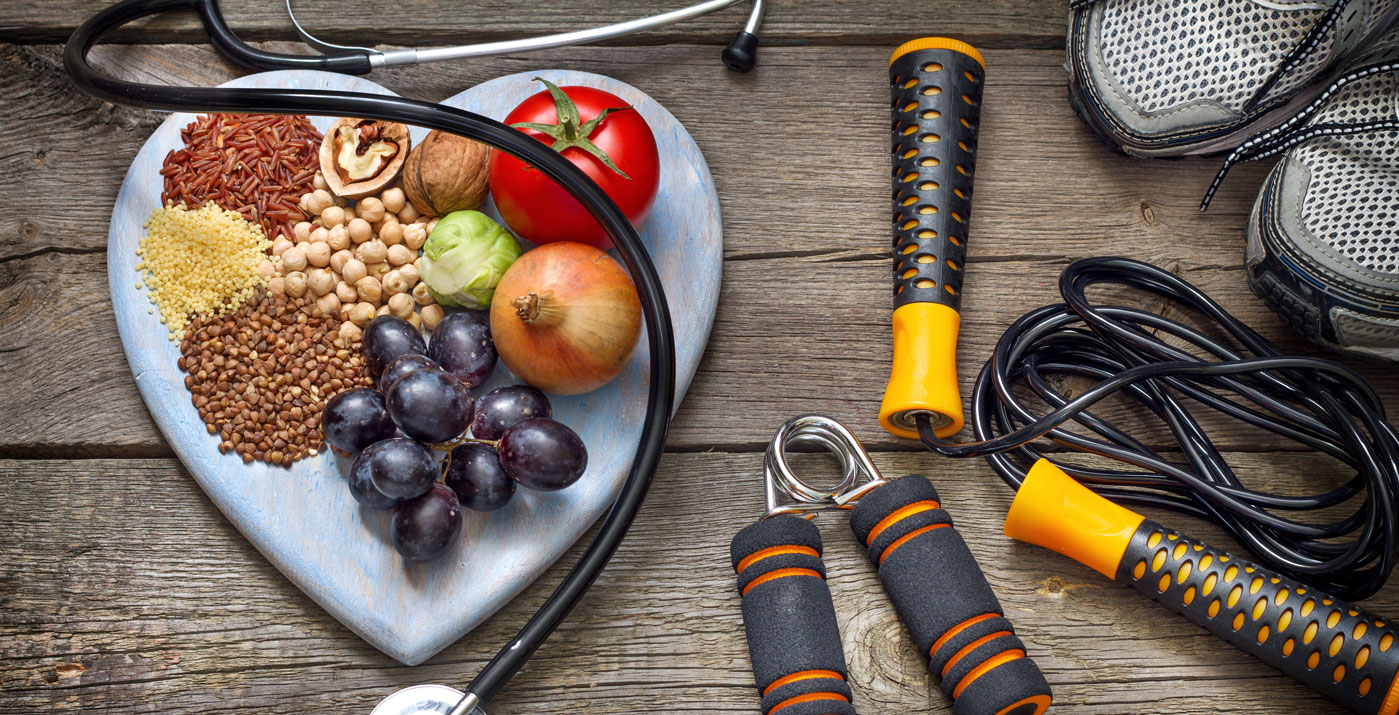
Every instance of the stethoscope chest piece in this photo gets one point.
(425, 700)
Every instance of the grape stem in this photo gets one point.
(449, 446)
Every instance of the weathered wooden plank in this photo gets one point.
(771, 355)
(798, 174)
(1004, 23)
(122, 590)
(806, 275)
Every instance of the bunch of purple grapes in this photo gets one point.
(424, 400)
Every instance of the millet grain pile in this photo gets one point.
(260, 376)
(199, 262)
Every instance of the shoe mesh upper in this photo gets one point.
(1352, 199)
(1165, 53)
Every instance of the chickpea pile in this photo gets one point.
(356, 261)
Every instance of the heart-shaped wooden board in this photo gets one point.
(304, 520)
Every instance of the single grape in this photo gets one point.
(430, 405)
(388, 337)
(543, 454)
(461, 343)
(424, 527)
(400, 468)
(475, 474)
(402, 366)
(505, 406)
(355, 419)
(362, 486)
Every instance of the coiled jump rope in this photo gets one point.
(1289, 611)
(1310, 546)
(1282, 611)
(1171, 369)
(1176, 371)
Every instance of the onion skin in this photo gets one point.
(566, 318)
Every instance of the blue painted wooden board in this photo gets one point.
(304, 520)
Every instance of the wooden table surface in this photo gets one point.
(123, 590)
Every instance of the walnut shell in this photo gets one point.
(387, 174)
(446, 173)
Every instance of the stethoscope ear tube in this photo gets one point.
(660, 335)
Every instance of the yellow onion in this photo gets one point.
(565, 318)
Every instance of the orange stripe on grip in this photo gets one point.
(1040, 703)
(803, 675)
(990, 665)
(969, 648)
(910, 536)
(808, 698)
(1390, 704)
(964, 625)
(899, 515)
(774, 551)
(773, 576)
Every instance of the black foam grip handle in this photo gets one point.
(945, 601)
(936, 115)
(1340, 650)
(793, 638)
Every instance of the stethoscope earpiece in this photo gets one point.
(742, 54)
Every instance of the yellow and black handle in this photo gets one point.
(793, 638)
(936, 84)
(1339, 650)
(945, 601)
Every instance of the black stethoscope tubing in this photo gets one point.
(660, 336)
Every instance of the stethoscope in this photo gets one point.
(424, 699)
(740, 56)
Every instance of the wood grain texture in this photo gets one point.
(803, 320)
(131, 594)
(1003, 23)
(123, 590)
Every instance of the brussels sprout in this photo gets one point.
(464, 258)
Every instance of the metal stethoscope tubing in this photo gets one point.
(660, 337)
(739, 56)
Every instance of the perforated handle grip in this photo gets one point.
(936, 110)
(793, 638)
(1338, 649)
(942, 596)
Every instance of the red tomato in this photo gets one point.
(539, 210)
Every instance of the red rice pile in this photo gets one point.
(258, 165)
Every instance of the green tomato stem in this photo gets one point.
(571, 131)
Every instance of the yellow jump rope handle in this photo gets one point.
(1341, 651)
(936, 84)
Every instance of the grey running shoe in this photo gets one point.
(1175, 77)
(1323, 240)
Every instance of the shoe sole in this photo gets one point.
(1299, 298)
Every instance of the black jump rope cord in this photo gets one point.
(1171, 369)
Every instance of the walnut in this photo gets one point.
(446, 173)
(360, 157)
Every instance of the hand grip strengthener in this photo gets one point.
(935, 584)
